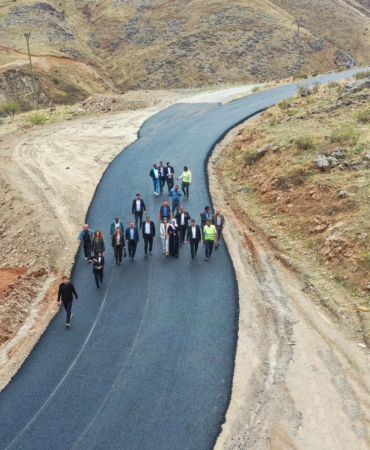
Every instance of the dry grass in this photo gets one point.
(289, 197)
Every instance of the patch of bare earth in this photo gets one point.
(300, 381)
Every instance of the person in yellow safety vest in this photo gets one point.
(186, 182)
(210, 237)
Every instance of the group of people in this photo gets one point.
(176, 229)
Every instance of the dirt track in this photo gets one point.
(298, 382)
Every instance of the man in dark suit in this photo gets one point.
(132, 239)
(183, 223)
(194, 237)
(65, 295)
(162, 176)
(169, 176)
(138, 208)
(148, 229)
(98, 269)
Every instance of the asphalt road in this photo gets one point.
(148, 360)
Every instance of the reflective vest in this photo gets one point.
(186, 177)
(209, 233)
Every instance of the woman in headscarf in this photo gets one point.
(97, 243)
(174, 238)
(164, 232)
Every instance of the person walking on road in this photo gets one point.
(98, 269)
(98, 244)
(193, 237)
(118, 244)
(138, 209)
(183, 224)
(148, 229)
(85, 236)
(164, 211)
(176, 195)
(162, 176)
(65, 295)
(210, 238)
(155, 177)
(169, 176)
(132, 239)
(174, 239)
(204, 216)
(186, 182)
(114, 225)
(165, 236)
(218, 220)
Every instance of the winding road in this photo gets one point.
(148, 361)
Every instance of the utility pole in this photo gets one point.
(35, 91)
(299, 24)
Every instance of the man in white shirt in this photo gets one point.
(148, 229)
(138, 209)
(194, 237)
(154, 173)
(182, 218)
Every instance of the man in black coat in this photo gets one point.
(65, 295)
(98, 268)
(162, 176)
(138, 208)
(183, 223)
(148, 229)
(194, 237)
(169, 176)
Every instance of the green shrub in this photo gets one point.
(36, 118)
(285, 104)
(361, 75)
(301, 88)
(304, 142)
(345, 134)
(302, 75)
(256, 88)
(1, 121)
(273, 122)
(250, 158)
(56, 81)
(314, 74)
(341, 69)
(363, 116)
(10, 108)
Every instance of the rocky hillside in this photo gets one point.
(115, 45)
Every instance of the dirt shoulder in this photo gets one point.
(300, 381)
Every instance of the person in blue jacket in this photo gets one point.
(85, 236)
(132, 239)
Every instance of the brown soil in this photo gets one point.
(299, 373)
(9, 278)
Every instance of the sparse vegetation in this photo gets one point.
(304, 142)
(36, 118)
(56, 81)
(361, 75)
(302, 75)
(345, 135)
(285, 104)
(256, 88)
(10, 108)
(301, 88)
(363, 116)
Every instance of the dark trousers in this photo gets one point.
(118, 253)
(193, 247)
(175, 207)
(99, 275)
(87, 250)
(202, 230)
(68, 307)
(138, 215)
(148, 239)
(132, 248)
(170, 183)
(162, 182)
(182, 232)
(185, 188)
(209, 248)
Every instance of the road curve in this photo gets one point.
(148, 361)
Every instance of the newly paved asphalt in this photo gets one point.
(148, 361)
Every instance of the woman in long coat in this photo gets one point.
(174, 238)
(97, 242)
(164, 232)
